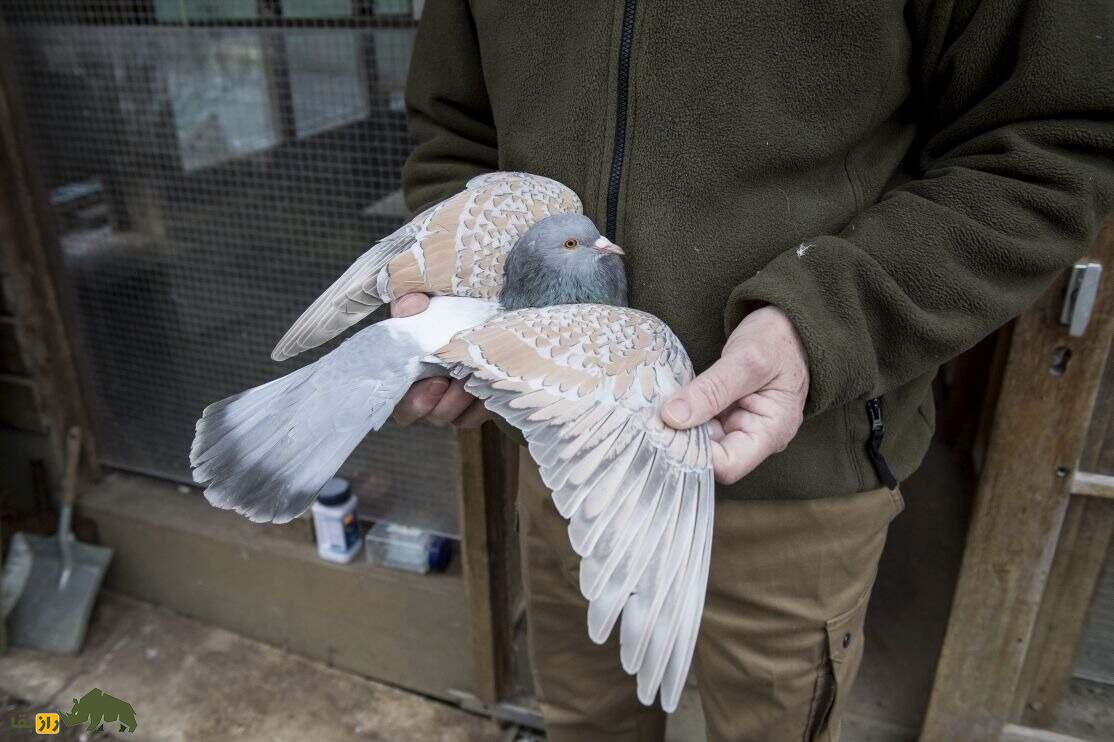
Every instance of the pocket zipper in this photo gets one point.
(874, 443)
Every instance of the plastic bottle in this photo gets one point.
(335, 523)
(410, 549)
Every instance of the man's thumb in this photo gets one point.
(706, 396)
(409, 304)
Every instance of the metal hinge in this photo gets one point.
(1079, 300)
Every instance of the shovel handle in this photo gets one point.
(73, 457)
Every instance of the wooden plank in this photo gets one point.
(981, 439)
(1018, 733)
(276, 69)
(487, 479)
(1076, 568)
(1041, 418)
(1094, 485)
(1098, 453)
(19, 405)
(11, 357)
(32, 276)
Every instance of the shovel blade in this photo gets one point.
(52, 615)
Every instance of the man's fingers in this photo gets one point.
(473, 417)
(725, 382)
(737, 455)
(421, 398)
(715, 430)
(452, 405)
(754, 431)
(409, 304)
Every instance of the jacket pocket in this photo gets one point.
(837, 675)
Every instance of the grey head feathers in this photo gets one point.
(563, 260)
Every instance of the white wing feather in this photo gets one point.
(584, 383)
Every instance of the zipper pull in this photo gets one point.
(874, 443)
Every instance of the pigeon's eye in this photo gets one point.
(570, 244)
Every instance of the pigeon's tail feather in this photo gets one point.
(267, 451)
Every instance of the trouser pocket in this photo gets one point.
(837, 675)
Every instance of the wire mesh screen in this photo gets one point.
(212, 167)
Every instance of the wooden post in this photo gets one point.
(488, 465)
(1037, 437)
(32, 273)
(1080, 556)
(1076, 570)
(276, 69)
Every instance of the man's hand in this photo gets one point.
(436, 401)
(754, 394)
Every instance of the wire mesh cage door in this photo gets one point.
(211, 167)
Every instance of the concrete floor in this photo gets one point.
(191, 681)
(188, 680)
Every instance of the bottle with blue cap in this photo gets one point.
(335, 523)
(411, 549)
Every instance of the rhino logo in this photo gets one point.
(96, 707)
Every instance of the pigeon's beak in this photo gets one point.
(607, 247)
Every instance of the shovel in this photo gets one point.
(63, 577)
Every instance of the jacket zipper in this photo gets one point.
(874, 444)
(622, 90)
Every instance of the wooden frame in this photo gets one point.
(1030, 564)
(488, 480)
(30, 268)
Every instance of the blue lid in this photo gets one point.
(334, 492)
(440, 550)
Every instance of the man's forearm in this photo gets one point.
(1015, 176)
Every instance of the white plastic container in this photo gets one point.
(335, 524)
(410, 549)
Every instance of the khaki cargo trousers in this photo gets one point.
(781, 638)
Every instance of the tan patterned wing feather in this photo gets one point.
(584, 383)
(461, 248)
(456, 247)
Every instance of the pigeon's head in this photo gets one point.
(563, 259)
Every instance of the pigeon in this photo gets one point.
(529, 310)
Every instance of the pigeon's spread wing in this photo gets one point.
(584, 383)
(456, 247)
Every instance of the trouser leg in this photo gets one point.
(780, 640)
(583, 691)
(782, 634)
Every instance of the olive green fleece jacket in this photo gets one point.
(901, 178)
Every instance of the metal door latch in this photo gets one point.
(1079, 300)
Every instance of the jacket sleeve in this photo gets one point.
(447, 105)
(1011, 182)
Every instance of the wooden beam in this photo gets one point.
(1037, 437)
(276, 70)
(1076, 568)
(488, 466)
(1094, 485)
(31, 271)
(1018, 733)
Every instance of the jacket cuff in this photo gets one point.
(798, 281)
